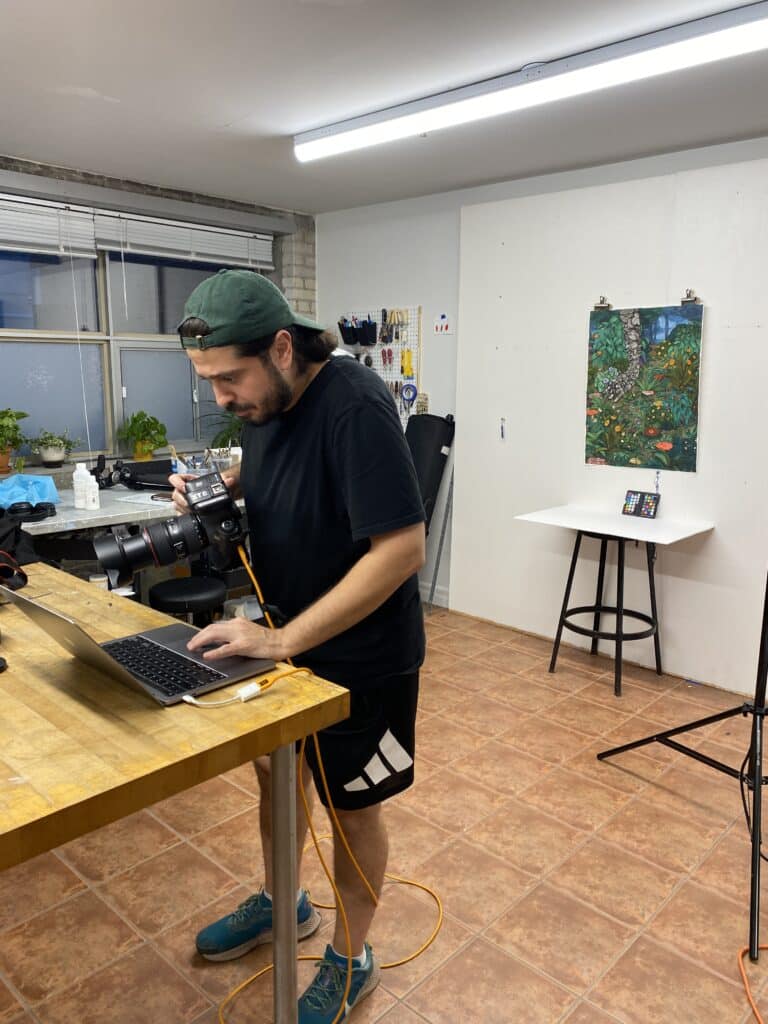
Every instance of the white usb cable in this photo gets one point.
(243, 694)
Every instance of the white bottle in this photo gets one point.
(80, 479)
(92, 493)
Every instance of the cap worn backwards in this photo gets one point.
(239, 306)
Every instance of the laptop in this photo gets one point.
(155, 662)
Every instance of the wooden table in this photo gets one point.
(78, 751)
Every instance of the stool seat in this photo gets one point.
(198, 596)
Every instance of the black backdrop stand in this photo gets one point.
(754, 777)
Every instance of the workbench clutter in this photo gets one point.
(388, 342)
(28, 499)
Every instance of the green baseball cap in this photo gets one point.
(239, 306)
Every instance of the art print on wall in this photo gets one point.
(643, 387)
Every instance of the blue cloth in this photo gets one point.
(27, 488)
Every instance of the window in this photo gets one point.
(39, 293)
(89, 304)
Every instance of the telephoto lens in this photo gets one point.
(213, 518)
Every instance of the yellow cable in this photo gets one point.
(316, 842)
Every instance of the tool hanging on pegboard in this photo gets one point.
(389, 343)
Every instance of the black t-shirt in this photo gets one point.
(318, 481)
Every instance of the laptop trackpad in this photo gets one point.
(176, 637)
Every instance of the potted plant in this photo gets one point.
(145, 433)
(10, 435)
(52, 448)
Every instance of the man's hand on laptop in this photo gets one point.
(238, 637)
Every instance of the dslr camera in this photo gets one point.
(213, 519)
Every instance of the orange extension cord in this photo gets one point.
(316, 842)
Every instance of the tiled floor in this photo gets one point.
(575, 891)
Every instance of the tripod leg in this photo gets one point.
(599, 596)
(650, 551)
(619, 618)
(757, 807)
(564, 609)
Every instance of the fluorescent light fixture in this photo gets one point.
(718, 37)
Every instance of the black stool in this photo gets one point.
(198, 596)
(619, 636)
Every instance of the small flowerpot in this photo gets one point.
(53, 456)
(142, 451)
(5, 461)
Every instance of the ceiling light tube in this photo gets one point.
(718, 37)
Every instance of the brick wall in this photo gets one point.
(295, 270)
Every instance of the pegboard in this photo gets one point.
(395, 354)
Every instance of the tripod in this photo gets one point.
(754, 778)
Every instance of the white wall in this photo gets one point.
(408, 253)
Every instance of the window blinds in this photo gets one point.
(46, 227)
(183, 241)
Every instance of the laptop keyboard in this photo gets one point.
(164, 670)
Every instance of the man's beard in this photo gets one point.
(276, 400)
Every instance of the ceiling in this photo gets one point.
(206, 96)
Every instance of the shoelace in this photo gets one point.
(245, 908)
(326, 988)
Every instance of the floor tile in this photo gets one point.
(727, 869)
(540, 646)
(615, 882)
(532, 841)
(108, 851)
(673, 841)
(560, 936)
(177, 945)
(435, 694)
(150, 896)
(711, 697)
(522, 692)
(474, 884)
(412, 839)
(698, 791)
(139, 986)
(637, 675)
(471, 677)
(441, 741)
(198, 809)
(502, 767)
(34, 886)
(586, 1013)
(632, 701)
(10, 1007)
(597, 664)
(465, 645)
(488, 717)
(438, 661)
(39, 957)
(394, 943)
(653, 985)
(401, 1015)
(492, 631)
(585, 716)
(544, 738)
(452, 801)
(671, 711)
(509, 659)
(690, 919)
(574, 799)
(639, 727)
(243, 776)
(565, 679)
(486, 984)
(235, 844)
(630, 772)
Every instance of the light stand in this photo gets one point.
(754, 778)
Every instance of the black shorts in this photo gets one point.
(369, 756)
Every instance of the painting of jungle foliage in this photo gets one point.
(643, 387)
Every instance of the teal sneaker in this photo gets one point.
(321, 1002)
(251, 925)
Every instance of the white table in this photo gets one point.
(613, 526)
(118, 505)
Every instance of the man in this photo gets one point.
(337, 535)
